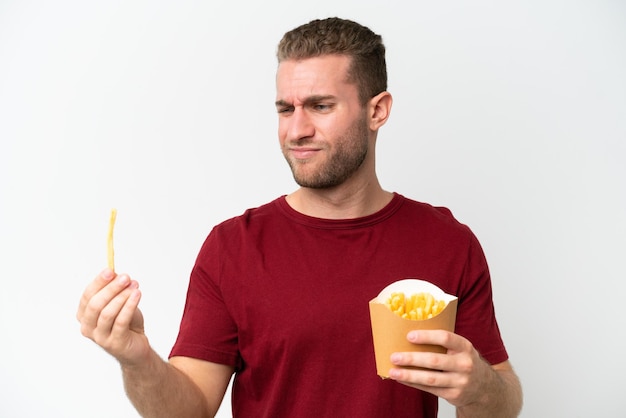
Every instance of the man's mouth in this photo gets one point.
(303, 153)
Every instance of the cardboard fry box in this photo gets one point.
(389, 330)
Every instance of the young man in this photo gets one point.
(279, 295)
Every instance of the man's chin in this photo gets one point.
(317, 184)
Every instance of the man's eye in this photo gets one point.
(284, 110)
(321, 106)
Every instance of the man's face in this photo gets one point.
(322, 126)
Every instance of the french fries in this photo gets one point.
(418, 306)
(110, 252)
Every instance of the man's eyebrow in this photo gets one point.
(318, 98)
(311, 99)
(282, 103)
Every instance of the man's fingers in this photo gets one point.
(124, 320)
(99, 282)
(110, 313)
(422, 378)
(424, 360)
(446, 339)
(108, 300)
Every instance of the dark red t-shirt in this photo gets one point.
(283, 298)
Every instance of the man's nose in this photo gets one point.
(300, 125)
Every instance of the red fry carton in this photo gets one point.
(389, 330)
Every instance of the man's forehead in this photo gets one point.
(324, 66)
(321, 76)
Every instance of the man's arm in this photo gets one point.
(502, 395)
(109, 315)
(183, 387)
(460, 376)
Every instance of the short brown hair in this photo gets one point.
(368, 69)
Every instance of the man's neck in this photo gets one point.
(340, 202)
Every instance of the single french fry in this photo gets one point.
(110, 251)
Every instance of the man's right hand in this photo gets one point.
(109, 315)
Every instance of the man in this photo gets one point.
(279, 295)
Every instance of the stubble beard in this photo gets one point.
(348, 156)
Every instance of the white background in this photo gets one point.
(512, 114)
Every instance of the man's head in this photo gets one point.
(331, 99)
(334, 36)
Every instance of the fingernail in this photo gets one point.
(123, 279)
(107, 274)
(412, 336)
(396, 358)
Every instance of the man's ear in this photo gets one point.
(379, 108)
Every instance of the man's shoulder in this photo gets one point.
(427, 208)
(252, 214)
(437, 216)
